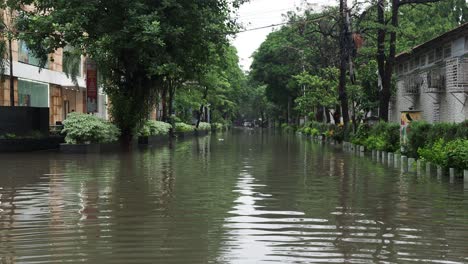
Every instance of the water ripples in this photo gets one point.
(247, 199)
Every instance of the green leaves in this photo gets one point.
(154, 128)
(182, 127)
(84, 129)
(318, 90)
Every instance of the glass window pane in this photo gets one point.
(33, 94)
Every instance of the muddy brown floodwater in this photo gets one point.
(251, 197)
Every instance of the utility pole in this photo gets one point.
(344, 57)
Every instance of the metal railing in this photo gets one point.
(436, 80)
(413, 84)
(457, 75)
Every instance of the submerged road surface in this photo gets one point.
(250, 198)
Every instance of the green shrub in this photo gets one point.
(434, 153)
(287, 128)
(204, 126)
(361, 134)
(84, 128)
(375, 142)
(154, 128)
(382, 136)
(457, 154)
(218, 127)
(422, 134)
(182, 127)
(417, 134)
(314, 132)
(452, 154)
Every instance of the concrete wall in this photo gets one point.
(23, 120)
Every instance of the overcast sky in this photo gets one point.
(260, 13)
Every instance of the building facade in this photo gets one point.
(433, 78)
(47, 87)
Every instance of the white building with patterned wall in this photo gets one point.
(433, 78)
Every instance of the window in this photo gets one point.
(421, 60)
(447, 51)
(33, 94)
(438, 54)
(430, 57)
(405, 66)
(26, 56)
(414, 63)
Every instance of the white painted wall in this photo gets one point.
(30, 72)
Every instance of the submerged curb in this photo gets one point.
(404, 163)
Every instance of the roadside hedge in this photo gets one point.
(182, 127)
(382, 136)
(203, 126)
(154, 128)
(84, 129)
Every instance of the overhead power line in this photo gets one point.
(281, 24)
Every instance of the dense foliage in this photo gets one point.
(203, 126)
(85, 129)
(451, 154)
(291, 63)
(183, 128)
(154, 128)
(143, 49)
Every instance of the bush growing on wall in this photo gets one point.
(84, 129)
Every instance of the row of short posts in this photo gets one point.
(406, 164)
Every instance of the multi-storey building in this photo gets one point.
(433, 78)
(48, 87)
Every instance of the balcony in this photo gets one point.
(412, 84)
(457, 75)
(436, 80)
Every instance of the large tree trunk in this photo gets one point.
(386, 64)
(200, 112)
(12, 84)
(164, 102)
(172, 90)
(381, 58)
(343, 63)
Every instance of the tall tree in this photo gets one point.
(387, 35)
(8, 33)
(138, 45)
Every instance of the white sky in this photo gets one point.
(260, 13)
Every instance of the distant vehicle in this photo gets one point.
(247, 124)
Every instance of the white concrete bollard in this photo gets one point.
(384, 156)
(397, 159)
(439, 172)
(452, 175)
(419, 167)
(465, 180)
(390, 158)
(429, 169)
(404, 164)
(411, 164)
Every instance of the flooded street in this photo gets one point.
(227, 198)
